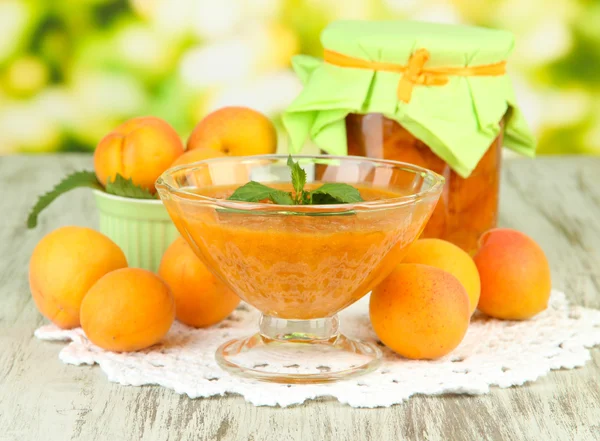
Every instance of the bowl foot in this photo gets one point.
(298, 361)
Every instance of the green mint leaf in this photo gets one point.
(298, 175)
(281, 198)
(126, 188)
(323, 199)
(76, 180)
(335, 193)
(251, 192)
(255, 191)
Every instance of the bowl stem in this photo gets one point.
(315, 330)
(298, 351)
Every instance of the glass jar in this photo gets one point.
(443, 90)
(467, 207)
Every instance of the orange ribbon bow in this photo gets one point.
(415, 73)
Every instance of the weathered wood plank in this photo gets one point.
(555, 200)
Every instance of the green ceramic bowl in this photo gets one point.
(141, 227)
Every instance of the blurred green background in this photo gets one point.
(72, 70)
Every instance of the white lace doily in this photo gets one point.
(493, 353)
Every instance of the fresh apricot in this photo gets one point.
(515, 275)
(235, 131)
(127, 310)
(196, 155)
(200, 298)
(450, 258)
(63, 267)
(420, 312)
(203, 176)
(141, 149)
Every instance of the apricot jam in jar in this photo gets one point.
(467, 206)
(430, 94)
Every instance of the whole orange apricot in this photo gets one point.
(450, 258)
(63, 267)
(127, 310)
(515, 275)
(420, 312)
(141, 149)
(235, 131)
(201, 299)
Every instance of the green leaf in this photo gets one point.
(323, 199)
(255, 191)
(281, 198)
(298, 175)
(76, 180)
(335, 193)
(251, 192)
(126, 188)
(331, 193)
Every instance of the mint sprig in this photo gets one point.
(119, 187)
(127, 189)
(338, 193)
(76, 180)
(298, 180)
(329, 193)
(255, 192)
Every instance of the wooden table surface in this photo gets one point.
(554, 200)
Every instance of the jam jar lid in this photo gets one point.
(446, 84)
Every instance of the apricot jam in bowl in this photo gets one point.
(300, 264)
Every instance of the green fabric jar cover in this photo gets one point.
(457, 120)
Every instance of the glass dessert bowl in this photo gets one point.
(299, 265)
